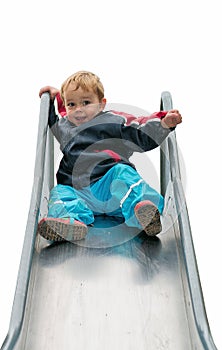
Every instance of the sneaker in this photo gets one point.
(149, 217)
(56, 229)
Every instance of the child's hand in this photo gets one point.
(52, 91)
(171, 119)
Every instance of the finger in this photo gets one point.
(174, 111)
(46, 89)
(176, 116)
(42, 90)
(178, 120)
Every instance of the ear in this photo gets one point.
(102, 104)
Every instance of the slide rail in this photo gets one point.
(170, 172)
(20, 297)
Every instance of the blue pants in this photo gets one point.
(115, 194)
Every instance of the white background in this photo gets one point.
(139, 49)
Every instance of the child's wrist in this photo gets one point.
(164, 125)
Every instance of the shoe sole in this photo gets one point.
(59, 231)
(149, 218)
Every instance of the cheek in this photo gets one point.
(70, 113)
(70, 116)
(92, 111)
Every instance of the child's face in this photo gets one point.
(81, 106)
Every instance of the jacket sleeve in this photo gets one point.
(53, 120)
(132, 119)
(60, 106)
(53, 116)
(144, 137)
(144, 119)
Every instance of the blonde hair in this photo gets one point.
(85, 80)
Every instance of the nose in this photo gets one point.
(78, 108)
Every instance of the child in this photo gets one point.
(95, 175)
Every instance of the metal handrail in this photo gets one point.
(170, 171)
(18, 309)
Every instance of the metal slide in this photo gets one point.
(117, 289)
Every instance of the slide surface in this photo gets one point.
(117, 289)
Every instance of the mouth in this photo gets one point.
(80, 119)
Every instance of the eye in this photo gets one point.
(71, 104)
(86, 103)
